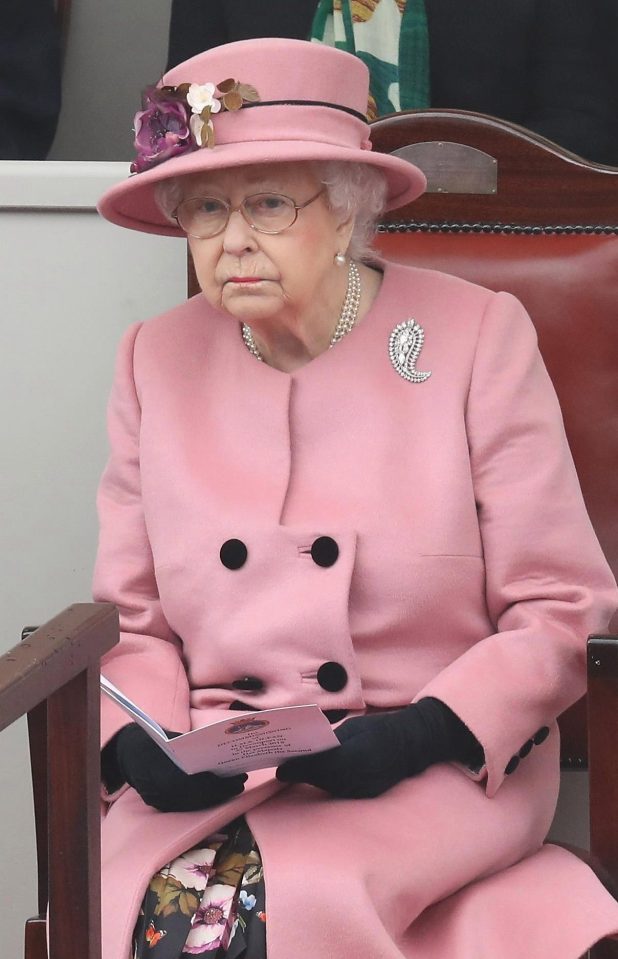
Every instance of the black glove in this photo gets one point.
(159, 781)
(379, 750)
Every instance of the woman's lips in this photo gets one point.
(245, 279)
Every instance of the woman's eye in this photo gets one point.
(269, 204)
(210, 207)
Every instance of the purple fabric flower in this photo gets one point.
(161, 130)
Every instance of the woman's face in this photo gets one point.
(257, 276)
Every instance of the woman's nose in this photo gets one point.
(238, 236)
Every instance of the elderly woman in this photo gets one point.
(333, 480)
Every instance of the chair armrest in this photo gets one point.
(56, 671)
(54, 655)
(602, 756)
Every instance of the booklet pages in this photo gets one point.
(241, 741)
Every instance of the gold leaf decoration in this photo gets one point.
(248, 93)
(232, 100)
(226, 86)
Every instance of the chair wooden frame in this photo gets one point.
(53, 676)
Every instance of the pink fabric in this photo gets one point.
(280, 69)
(467, 570)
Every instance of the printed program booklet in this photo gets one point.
(237, 744)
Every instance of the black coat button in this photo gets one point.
(251, 683)
(324, 551)
(525, 749)
(233, 554)
(512, 765)
(332, 677)
(541, 735)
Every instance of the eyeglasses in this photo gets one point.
(206, 216)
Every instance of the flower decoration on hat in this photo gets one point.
(178, 120)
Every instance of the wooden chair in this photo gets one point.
(54, 677)
(514, 212)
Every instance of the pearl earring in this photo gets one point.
(340, 259)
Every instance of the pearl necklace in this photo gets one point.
(347, 317)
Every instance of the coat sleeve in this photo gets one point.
(147, 663)
(547, 583)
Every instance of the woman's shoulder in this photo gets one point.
(178, 326)
(441, 285)
(462, 309)
(184, 317)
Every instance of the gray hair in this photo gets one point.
(353, 190)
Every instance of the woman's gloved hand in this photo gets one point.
(379, 750)
(161, 783)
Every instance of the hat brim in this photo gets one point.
(132, 203)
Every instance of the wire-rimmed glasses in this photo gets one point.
(203, 217)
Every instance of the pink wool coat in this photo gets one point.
(467, 570)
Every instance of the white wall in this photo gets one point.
(71, 283)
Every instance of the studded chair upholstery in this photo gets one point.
(514, 212)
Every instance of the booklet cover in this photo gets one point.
(239, 742)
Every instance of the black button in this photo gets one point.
(512, 765)
(325, 551)
(251, 683)
(525, 749)
(332, 677)
(541, 735)
(233, 554)
(334, 715)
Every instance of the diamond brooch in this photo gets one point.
(404, 347)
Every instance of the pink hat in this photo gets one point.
(255, 101)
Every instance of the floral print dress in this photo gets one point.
(209, 901)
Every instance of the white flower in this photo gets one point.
(194, 868)
(210, 920)
(199, 129)
(202, 95)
